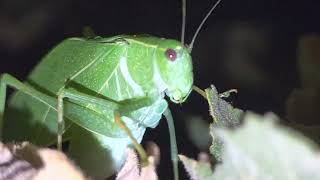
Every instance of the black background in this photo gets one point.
(28, 29)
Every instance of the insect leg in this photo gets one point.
(139, 148)
(9, 80)
(173, 143)
(80, 97)
(199, 91)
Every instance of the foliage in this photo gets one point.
(260, 149)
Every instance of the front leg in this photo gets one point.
(137, 145)
(79, 97)
(149, 116)
(8, 80)
(173, 143)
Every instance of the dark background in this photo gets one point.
(247, 44)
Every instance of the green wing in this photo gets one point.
(88, 66)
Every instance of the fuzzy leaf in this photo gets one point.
(131, 169)
(194, 125)
(261, 150)
(196, 170)
(223, 114)
(28, 162)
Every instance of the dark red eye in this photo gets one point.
(171, 54)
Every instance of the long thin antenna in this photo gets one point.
(201, 24)
(183, 26)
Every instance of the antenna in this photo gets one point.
(201, 24)
(183, 27)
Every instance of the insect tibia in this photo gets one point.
(142, 153)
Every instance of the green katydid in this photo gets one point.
(83, 84)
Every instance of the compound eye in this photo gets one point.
(171, 54)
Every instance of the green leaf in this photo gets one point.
(262, 150)
(196, 170)
(223, 114)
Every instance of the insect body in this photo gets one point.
(82, 86)
(130, 74)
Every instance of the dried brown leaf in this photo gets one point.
(25, 161)
(131, 169)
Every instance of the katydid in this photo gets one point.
(83, 85)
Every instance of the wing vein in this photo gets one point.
(111, 75)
